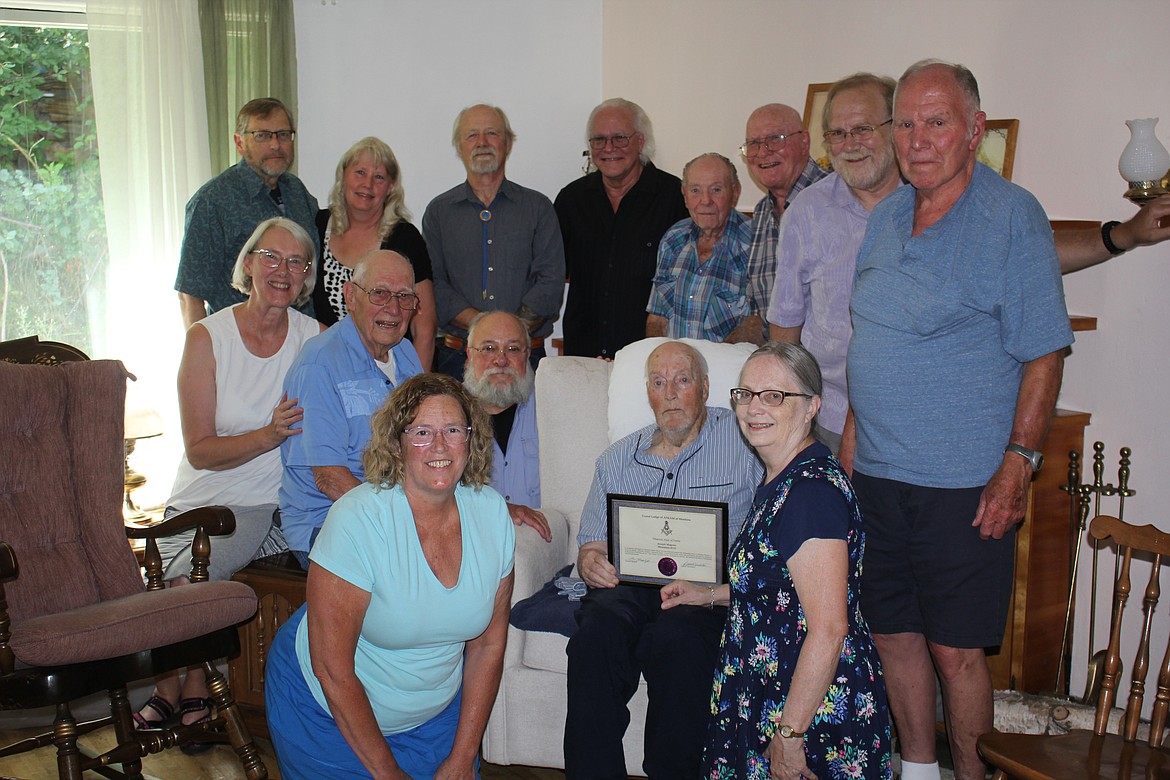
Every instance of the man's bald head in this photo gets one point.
(776, 148)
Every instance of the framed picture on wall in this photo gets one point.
(998, 148)
(814, 107)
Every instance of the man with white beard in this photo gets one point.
(498, 373)
(494, 245)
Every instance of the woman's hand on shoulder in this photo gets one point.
(284, 416)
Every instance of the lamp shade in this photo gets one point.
(143, 423)
(1144, 158)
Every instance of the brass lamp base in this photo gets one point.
(1142, 192)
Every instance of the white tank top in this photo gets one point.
(247, 389)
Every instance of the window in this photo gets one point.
(53, 249)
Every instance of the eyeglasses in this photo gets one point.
(491, 350)
(407, 301)
(598, 142)
(773, 143)
(422, 435)
(273, 260)
(264, 136)
(861, 133)
(741, 396)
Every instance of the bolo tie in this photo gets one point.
(485, 217)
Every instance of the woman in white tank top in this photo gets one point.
(234, 417)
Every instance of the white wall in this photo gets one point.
(402, 70)
(1070, 71)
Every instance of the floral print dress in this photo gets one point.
(850, 734)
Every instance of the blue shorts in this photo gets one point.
(926, 570)
(309, 745)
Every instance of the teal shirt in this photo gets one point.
(409, 654)
(219, 220)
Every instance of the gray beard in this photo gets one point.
(482, 164)
(502, 396)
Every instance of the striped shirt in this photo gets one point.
(766, 237)
(717, 466)
(702, 300)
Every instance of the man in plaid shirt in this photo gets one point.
(775, 149)
(700, 288)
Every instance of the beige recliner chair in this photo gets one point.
(582, 405)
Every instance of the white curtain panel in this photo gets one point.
(147, 70)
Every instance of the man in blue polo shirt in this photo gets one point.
(340, 380)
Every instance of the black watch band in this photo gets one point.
(1107, 238)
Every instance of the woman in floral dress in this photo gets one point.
(799, 690)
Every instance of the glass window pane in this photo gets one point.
(53, 250)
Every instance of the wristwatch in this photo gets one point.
(1032, 456)
(788, 733)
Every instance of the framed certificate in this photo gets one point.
(655, 540)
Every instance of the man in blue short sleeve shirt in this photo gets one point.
(960, 331)
(340, 380)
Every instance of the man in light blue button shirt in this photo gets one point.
(340, 380)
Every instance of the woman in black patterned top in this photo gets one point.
(367, 211)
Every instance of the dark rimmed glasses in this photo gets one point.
(741, 396)
(264, 136)
(619, 141)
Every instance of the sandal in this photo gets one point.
(190, 707)
(162, 708)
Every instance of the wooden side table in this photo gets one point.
(279, 583)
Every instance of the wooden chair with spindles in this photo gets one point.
(1098, 753)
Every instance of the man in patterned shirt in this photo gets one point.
(775, 149)
(700, 288)
(225, 210)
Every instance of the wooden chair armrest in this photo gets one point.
(217, 520)
(207, 521)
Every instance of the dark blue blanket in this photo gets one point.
(546, 610)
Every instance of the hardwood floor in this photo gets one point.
(219, 763)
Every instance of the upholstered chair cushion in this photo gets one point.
(131, 624)
(61, 486)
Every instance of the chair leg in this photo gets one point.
(237, 731)
(65, 738)
(124, 730)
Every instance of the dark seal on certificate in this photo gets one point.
(655, 540)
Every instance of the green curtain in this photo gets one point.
(249, 51)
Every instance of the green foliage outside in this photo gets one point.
(53, 250)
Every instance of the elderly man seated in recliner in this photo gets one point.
(692, 452)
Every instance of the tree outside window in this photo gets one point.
(53, 249)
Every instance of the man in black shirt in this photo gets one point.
(611, 222)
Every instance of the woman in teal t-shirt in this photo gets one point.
(391, 667)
